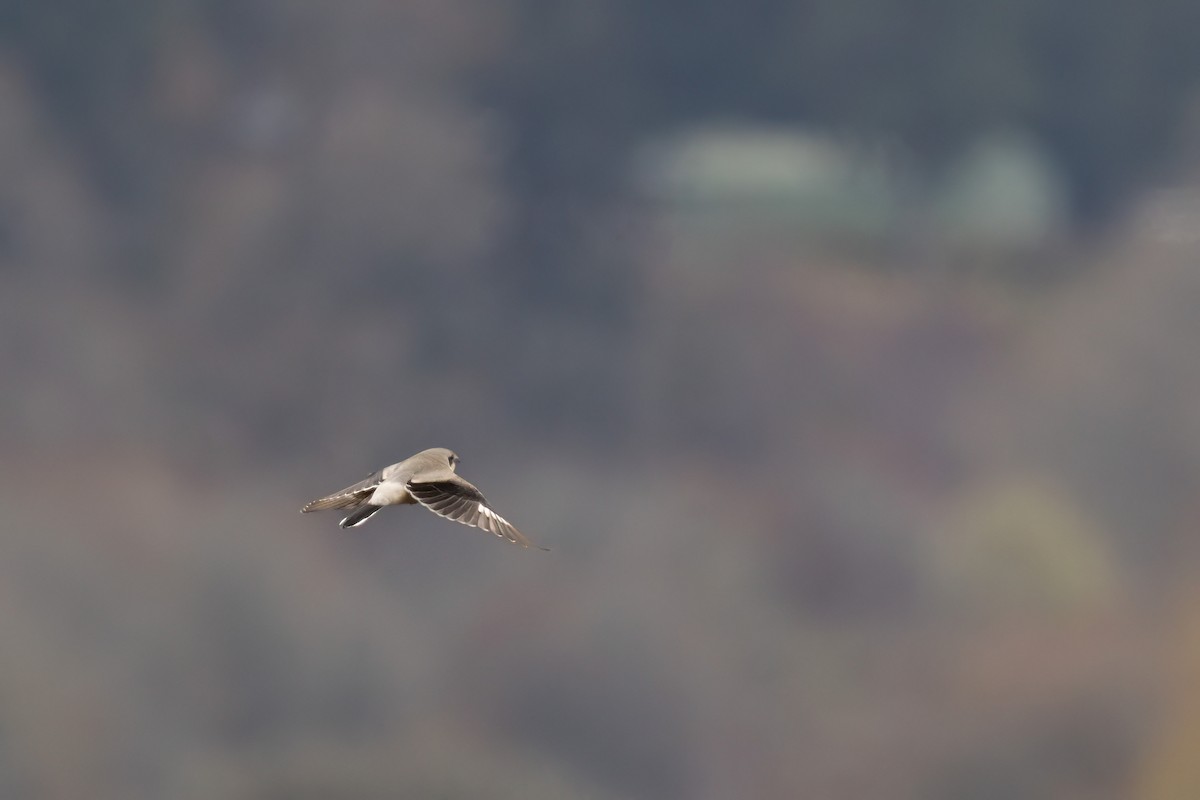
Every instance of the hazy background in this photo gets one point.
(843, 352)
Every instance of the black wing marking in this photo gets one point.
(460, 501)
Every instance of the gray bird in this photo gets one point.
(427, 478)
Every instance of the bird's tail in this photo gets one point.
(358, 516)
(349, 497)
(339, 500)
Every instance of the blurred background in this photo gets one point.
(840, 350)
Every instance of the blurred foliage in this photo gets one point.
(541, 106)
(250, 248)
(1103, 87)
(1023, 549)
(92, 67)
(1170, 771)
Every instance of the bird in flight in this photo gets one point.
(427, 478)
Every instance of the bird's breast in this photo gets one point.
(390, 494)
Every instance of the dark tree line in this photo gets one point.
(1103, 84)
(571, 89)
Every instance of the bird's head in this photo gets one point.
(439, 456)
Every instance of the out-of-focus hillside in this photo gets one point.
(866, 510)
(900, 552)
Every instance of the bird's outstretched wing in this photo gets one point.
(350, 496)
(454, 498)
